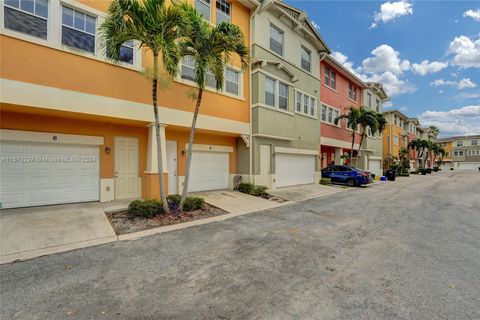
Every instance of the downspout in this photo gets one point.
(323, 55)
(250, 137)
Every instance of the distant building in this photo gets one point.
(463, 152)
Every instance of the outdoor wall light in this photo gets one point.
(107, 150)
(183, 152)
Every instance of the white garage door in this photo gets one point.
(209, 171)
(375, 167)
(468, 165)
(35, 173)
(294, 169)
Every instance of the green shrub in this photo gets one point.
(174, 199)
(246, 187)
(193, 203)
(325, 181)
(259, 191)
(144, 208)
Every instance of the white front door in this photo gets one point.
(209, 171)
(294, 169)
(126, 168)
(37, 173)
(172, 166)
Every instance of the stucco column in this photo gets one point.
(152, 165)
(338, 154)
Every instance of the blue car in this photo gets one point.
(348, 175)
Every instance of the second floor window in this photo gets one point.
(126, 52)
(204, 8)
(282, 96)
(276, 93)
(352, 91)
(27, 16)
(474, 142)
(232, 81)
(306, 104)
(330, 77)
(223, 11)
(459, 143)
(395, 140)
(78, 29)
(188, 68)
(369, 100)
(270, 91)
(330, 114)
(276, 40)
(306, 59)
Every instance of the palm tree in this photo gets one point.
(155, 25)
(433, 130)
(211, 48)
(422, 147)
(368, 119)
(353, 117)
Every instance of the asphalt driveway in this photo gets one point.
(408, 250)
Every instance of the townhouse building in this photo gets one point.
(465, 152)
(285, 132)
(75, 127)
(445, 163)
(339, 90)
(370, 158)
(412, 128)
(393, 136)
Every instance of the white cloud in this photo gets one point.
(391, 10)
(440, 91)
(391, 82)
(426, 67)
(474, 14)
(461, 121)
(467, 95)
(466, 52)
(315, 25)
(343, 59)
(465, 83)
(385, 58)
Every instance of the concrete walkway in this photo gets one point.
(237, 202)
(31, 232)
(305, 192)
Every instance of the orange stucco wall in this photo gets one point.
(389, 147)
(338, 99)
(34, 63)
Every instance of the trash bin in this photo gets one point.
(422, 171)
(390, 174)
(429, 170)
(435, 169)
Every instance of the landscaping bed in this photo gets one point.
(133, 220)
(258, 191)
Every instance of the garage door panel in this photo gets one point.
(292, 169)
(45, 173)
(209, 171)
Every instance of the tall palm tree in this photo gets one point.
(155, 25)
(367, 119)
(353, 120)
(433, 130)
(211, 48)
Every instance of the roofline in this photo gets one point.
(449, 139)
(345, 71)
(250, 4)
(378, 87)
(399, 112)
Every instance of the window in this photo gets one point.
(369, 99)
(188, 68)
(270, 91)
(330, 77)
(352, 91)
(455, 153)
(223, 11)
(474, 143)
(203, 7)
(329, 115)
(78, 29)
(232, 81)
(126, 52)
(460, 153)
(282, 96)
(27, 16)
(306, 104)
(395, 139)
(306, 59)
(276, 40)
(459, 143)
(377, 106)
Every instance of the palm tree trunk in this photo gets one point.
(360, 146)
(351, 149)
(157, 132)
(189, 151)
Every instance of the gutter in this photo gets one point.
(323, 55)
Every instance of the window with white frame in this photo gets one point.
(27, 16)
(270, 91)
(204, 8)
(474, 142)
(460, 153)
(395, 139)
(223, 11)
(460, 143)
(188, 68)
(126, 52)
(330, 114)
(276, 39)
(282, 96)
(306, 104)
(306, 59)
(352, 91)
(330, 77)
(455, 153)
(369, 100)
(473, 152)
(78, 29)
(232, 81)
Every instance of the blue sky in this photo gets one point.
(427, 53)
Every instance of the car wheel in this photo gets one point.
(351, 183)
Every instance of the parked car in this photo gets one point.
(348, 175)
